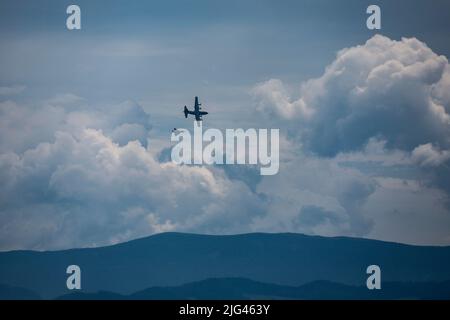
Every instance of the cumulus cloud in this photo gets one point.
(434, 164)
(316, 196)
(428, 155)
(396, 91)
(274, 99)
(75, 174)
(380, 109)
(83, 189)
(26, 126)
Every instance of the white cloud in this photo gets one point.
(428, 155)
(26, 126)
(382, 110)
(75, 174)
(82, 176)
(375, 90)
(316, 196)
(96, 192)
(273, 99)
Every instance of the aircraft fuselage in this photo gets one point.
(196, 112)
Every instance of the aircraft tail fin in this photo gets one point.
(185, 112)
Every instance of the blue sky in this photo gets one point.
(372, 165)
(155, 50)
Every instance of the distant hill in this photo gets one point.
(16, 293)
(244, 289)
(174, 259)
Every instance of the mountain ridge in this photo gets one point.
(171, 259)
(245, 289)
(230, 235)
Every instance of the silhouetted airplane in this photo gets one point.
(197, 113)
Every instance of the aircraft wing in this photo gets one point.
(197, 105)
